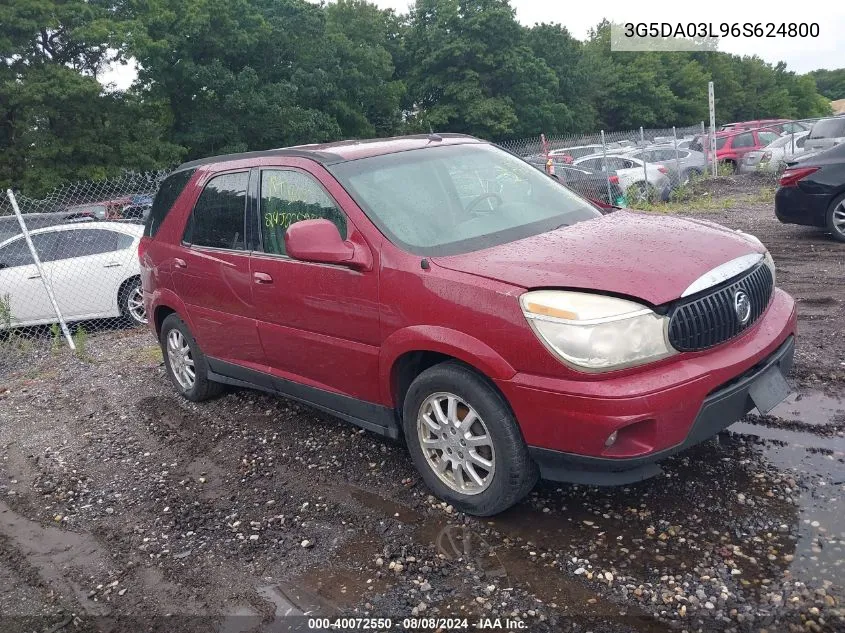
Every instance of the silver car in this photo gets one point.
(775, 155)
(681, 165)
(825, 134)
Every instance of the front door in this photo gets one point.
(212, 276)
(318, 323)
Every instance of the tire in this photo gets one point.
(200, 388)
(131, 311)
(836, 218)
(512, 474)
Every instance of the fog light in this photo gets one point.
(611, 439)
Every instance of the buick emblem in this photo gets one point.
(742, 306)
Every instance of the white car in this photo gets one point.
(776, 154)
(92, 269)
(570, 154)
(632, 178)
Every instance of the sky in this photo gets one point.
(800, 54)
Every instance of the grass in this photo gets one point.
(694, 196)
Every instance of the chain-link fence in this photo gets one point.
(648, 166)
(71, 258)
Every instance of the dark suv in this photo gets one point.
(440, 289)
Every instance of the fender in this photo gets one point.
(433, 338)
(166, 297)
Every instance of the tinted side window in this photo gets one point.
(720, 142)
(83, 243)
(15, 254)
(288, 197)
(218, 216)
(828, 128)
(164, 199)
(743, 140)
(767, 137)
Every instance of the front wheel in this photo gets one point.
(836, 219)
(465, 441)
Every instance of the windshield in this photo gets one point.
(458, 198)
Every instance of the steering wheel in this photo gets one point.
(481, 198)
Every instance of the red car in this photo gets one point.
(441, 290)
(731, 146)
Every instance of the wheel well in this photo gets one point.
(125, 283)
(162, 312)
(411, 364)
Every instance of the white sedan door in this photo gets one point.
(89, 267)
(28, 301)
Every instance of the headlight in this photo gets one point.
(593, 332)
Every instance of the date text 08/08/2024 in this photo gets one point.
(416, 624)
(722, 29)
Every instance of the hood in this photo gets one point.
(654, 258)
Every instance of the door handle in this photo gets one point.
(180, 263)
(35, 276)
(262, 278)
(112, 265)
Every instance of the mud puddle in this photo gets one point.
(809, 407)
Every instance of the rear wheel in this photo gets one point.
(465, 441)
(836, 218)
(186, 364)
(131, 302)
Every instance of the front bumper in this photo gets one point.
(656, 409)
(719, 410)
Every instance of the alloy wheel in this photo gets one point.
(135, 305)
(839, 218)
(180, 359)
(456, 443)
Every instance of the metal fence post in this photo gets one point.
(38, 265)
(712, 103)
(606, 170)
(677, 155)
(645, 167)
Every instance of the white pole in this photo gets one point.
(712, 99)
(40, 268)
(606, 169)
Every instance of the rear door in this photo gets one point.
(212, 276)
(742, 144)
(318, 323)
(87, 269)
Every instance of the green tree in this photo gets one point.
(472, 71)
(830, 83)
(57, 122)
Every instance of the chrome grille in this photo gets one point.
(711, 318)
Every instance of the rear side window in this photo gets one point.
(164, 199)
(720, 142)
(828, 128)
(86, 242)
(743, 140)
(218, 218)
(767, 137)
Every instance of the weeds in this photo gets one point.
(80, 340)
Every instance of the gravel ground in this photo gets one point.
(124, 508)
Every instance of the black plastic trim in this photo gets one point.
(368, 415)
(721, 408)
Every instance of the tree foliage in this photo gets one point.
(218, 76)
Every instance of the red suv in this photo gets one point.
(732, 146)
(441, 290)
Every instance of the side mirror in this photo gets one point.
(320, 241)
